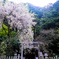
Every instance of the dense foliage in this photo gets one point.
(54, 46)
(50, 18)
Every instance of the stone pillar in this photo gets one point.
(38, 52)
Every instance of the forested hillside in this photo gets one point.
(47, 27)
(34, 9)
(50, 18)
(47, 17)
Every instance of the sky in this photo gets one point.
(40, 3)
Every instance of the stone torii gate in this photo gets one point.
(32, 43)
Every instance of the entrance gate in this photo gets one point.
(32, 55)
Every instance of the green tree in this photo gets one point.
(12, 46)
(3, 48)
(10, 42)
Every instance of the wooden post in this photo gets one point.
(22, 52)
(38, 52)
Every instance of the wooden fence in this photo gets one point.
(49, 58)
(15, 57)
(10, 57)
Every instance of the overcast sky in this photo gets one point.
(40, 3)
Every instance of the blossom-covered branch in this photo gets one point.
(18, 17)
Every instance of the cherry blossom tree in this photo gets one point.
(18, 16)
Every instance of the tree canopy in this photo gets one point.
(16, 25)
(18, 17)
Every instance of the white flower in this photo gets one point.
(18, 17)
